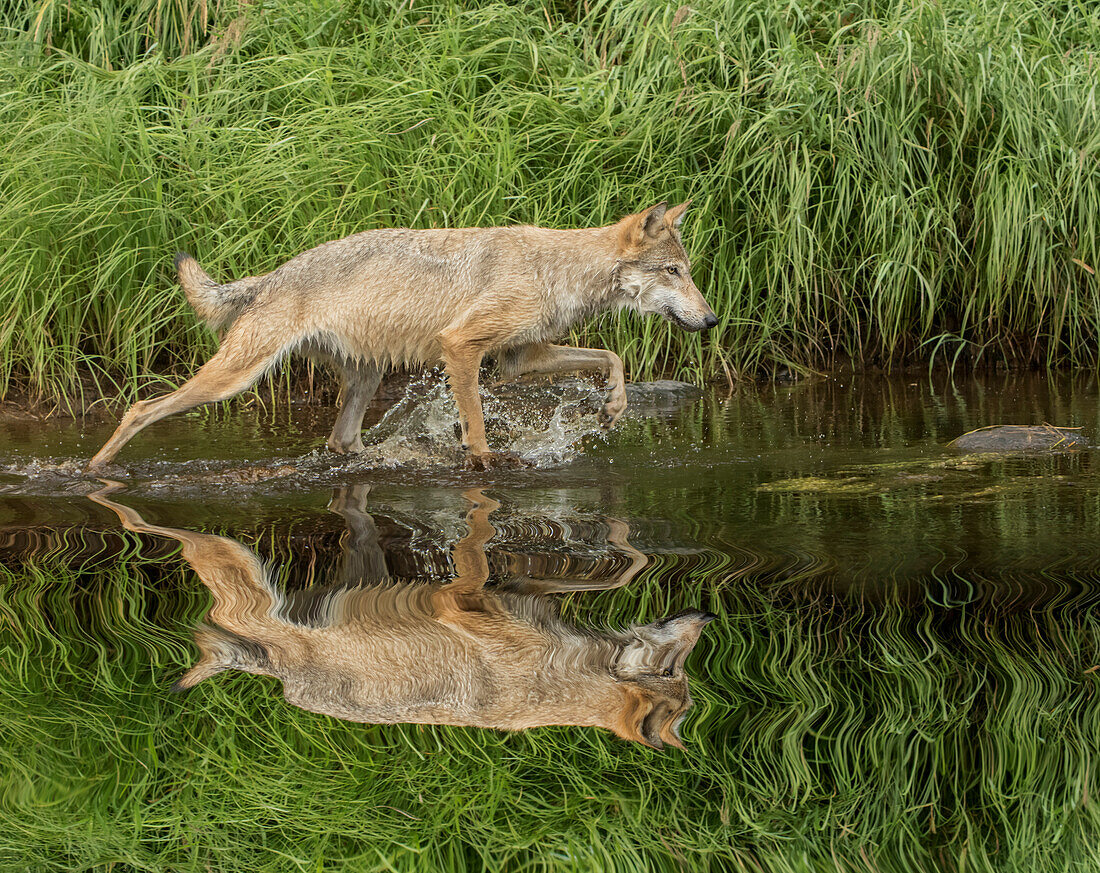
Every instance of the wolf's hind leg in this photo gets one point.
(360, 384)
(547, 358)
(232, 370)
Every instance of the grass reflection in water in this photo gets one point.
(830, 731)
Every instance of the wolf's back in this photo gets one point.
(217, 305)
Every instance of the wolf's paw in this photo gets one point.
(355, 447)
(95, 471)
(496, 461)
(614, 408)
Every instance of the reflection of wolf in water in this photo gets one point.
(459, 654)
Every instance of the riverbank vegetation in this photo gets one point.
(873, 182)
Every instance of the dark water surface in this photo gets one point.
(901, 674)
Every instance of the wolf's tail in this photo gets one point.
(217, 305)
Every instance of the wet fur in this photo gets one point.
(387, 298)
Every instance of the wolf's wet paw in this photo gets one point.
(353, 448)
(612, 410)
(496, 461)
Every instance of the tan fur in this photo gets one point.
(377, 650)
(386, 298)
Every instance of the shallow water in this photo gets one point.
(901, 674)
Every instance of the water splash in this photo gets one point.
(545, 424)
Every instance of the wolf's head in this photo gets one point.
(650, 670)
(653, 272)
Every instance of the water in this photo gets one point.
(901, 674)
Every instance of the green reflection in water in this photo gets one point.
(903, 679)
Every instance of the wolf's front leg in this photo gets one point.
(462, 362)
(463, 346)
(547, 358)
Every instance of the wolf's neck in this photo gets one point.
(581, 277)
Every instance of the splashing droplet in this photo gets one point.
(543, 423)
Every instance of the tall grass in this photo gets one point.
(877, 182)
(118, 32)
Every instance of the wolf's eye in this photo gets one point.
(673, 271)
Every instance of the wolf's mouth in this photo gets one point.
(669, 314)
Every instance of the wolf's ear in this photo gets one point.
(675, 216)
(645, 225)
(222, 649)
(658, 728)
(638, 722)
(204, 669)
(655, 725)
(670, 732)
(652, 218)
(649, 719)
(648, 736)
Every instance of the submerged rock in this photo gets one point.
(661, 391)
(1020, 438)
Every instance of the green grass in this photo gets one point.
(880, 182)
(829, 734)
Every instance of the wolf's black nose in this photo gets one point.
(710, 320)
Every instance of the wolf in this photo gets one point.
(369, 648)
(399, 297)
